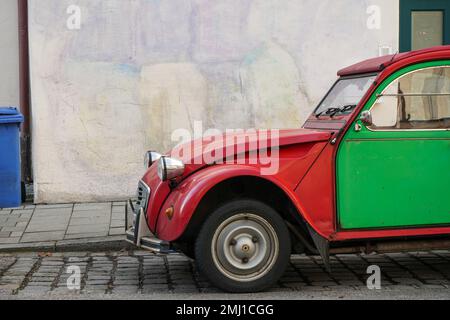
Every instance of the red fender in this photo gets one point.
(191, 191)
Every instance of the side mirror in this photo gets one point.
(366, 118)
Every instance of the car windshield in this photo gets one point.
(345, 95)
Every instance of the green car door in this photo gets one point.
(393, 165)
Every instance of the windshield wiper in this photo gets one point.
(333, 111)
(343, 109)
(327, 111)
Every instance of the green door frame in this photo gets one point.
(408, 6)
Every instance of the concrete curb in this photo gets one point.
(111, 243)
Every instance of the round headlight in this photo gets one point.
(150, 158)
(169, 168)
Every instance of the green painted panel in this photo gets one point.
(395, 183)
(391, 179)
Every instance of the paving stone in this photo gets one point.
(48, 220)
(144, 254)
(184, 289)
(127, 274)
(45, 274)
(154, 289)
(22, 211)
(81, 263)
(16, 234)
(324, 283)
(7, 289)
(162, 280)
(101, 259)
(87, 229)
(40, 282)
(92, 206)
(431, 286)
(54, 206)
(46, 227)
(125, 282)
(54, 212)
(42, 236)
(95, 288)
(116, 231)
(131, 277)
(9, 240)
(97, 282)
(441, 282)
(13, 229)
(51, 263)
(63, 290)
(407, 281)
(89, 221)
(86, 235)
(34, 289)
(118, 223)
(19, 267)
(351, 283)
(125, 289)
(44, 217)
(10, 223)
(99, 255)
(98, 277)
(12, 278)
(118, 216)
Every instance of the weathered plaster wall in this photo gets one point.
(9, 53)
(138, 69)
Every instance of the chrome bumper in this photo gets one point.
(138, 233)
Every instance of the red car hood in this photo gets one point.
(237, 145)
(195, 153)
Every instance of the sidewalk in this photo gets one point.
(61, 227)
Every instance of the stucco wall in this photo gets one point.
(138, 69)
(9, 53)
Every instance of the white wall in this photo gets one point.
(9, 54)
(138, 69)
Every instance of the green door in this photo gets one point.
(424, 23)
(396, 171)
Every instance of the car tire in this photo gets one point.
(243, 246)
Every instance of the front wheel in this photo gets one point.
(244, 246)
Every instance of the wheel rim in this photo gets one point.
(245, 247)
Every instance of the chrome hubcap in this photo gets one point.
(245, 247)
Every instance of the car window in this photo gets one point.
(346, 92)
(417, 100)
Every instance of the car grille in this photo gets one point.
(143, 196)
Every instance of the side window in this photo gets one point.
(417, 100)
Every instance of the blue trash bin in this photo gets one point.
(10, 178)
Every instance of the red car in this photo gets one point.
(368, 172)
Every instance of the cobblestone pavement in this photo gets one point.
(141, 273)
(61, 222)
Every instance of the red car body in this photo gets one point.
(306, 173)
